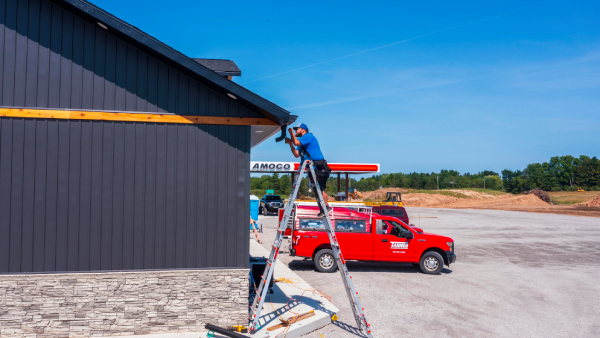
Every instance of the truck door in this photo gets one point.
(355, 239)
(392, 242)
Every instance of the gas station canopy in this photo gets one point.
(290, 167)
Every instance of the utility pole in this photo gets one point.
(484, 183)
(438, 181)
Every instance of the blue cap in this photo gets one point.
(303, 126)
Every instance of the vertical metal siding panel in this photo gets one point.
(170, 203)
(55, 47)
(5, 183)
(161, 181)
(242, 176)
(182, 100)
(85, 196)
(150, 195)
(163, 87)
(246, 243)
(16, 194)
(62, 195)
(180, 186)
(2, 28)
(172, 91)
(232, 221)
(21, 53)
(39, 214)
(193, 98)
(96, 197)
(99, 64)
(121, 76)
(142, 81)
(202, 163)
(130, 99)
(128, 196)
(212, 195)
(44, 55)
(107, 194)
(223, 105)
(232, 109)
(191, 195)
(74, 200)
(33, 38)
(87, 96)
(66, 61)
(221, 240)
(9, 57)
(51, 194)
(213, 103)
(118, 191)
(77, 64)
(152, 85)
(110, 73)
(202, 100)
(28, 196)
(138, 199)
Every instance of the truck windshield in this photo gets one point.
(392, 212)
(272, 198)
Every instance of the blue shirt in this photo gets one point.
(310, 143)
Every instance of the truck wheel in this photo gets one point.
(260, 210)
(431, 263)
(325, 261)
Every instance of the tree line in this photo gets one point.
(561, 173)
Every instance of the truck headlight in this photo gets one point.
(450, 245)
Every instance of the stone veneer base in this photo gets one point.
(121, 303)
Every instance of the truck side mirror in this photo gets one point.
(409, 235)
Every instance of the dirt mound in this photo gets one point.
(541, 194)
(427, 200)
(530, 199)
(594, 202)
(379, 194)
(475, 194)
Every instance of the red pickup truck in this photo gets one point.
(368, 237)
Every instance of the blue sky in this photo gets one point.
(416, 86)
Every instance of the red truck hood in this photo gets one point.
(437, 237)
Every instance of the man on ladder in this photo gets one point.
(309, 166)
(301, 138)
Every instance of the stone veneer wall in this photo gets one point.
(121, 303)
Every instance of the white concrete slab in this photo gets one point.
(290, 299)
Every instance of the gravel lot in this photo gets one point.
(517, 275)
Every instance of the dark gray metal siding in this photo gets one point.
(92, 195)
(53, 59)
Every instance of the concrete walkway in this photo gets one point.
(290, 299)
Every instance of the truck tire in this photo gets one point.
(325, 261)
(260, 210)
(431, 263)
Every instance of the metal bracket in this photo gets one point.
(282, 136)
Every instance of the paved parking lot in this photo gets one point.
(517, 275)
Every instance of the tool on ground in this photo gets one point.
(291, 321)
(253, 222)
(261, 292)
(222, 331)
(238, 328)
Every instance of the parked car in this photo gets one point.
(364, 237)
(270, 203)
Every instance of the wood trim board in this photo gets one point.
(133, 117)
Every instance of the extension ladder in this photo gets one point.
(261, 292)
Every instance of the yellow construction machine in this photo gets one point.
(579, 189)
